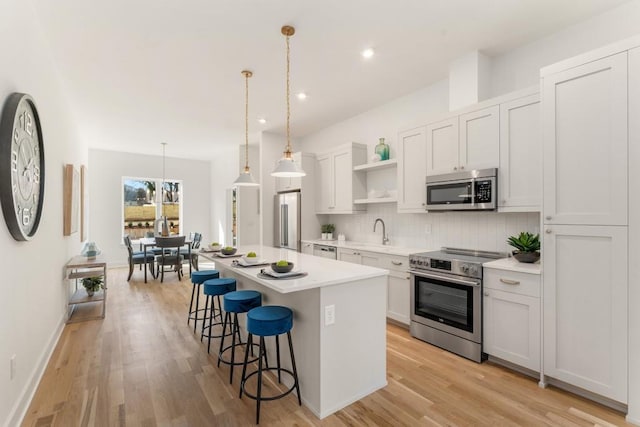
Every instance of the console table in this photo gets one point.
(82, 306)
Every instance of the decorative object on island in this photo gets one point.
(228, 250)
(90, 250)
(215, 246)
(282, 266)
(287, 167)
(245, 177)
(327, 231)
(22, 170)
(382, 149)
(527, 247)
(93, 284)
(71, 203)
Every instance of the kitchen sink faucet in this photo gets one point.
(385, 239)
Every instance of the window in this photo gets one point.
(141, 207)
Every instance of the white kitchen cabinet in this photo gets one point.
(585, 307)
(520, 171)
(511, 317)
(307, 248)
(337, 185)
(465, 142)
(585, 143)
(412, 169)
(398, 284)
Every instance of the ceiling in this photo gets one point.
(141, 72)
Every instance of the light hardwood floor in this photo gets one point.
(143, 366)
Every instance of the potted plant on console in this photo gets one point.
(92, 284)
(527, 247)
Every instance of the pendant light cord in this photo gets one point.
(288, 99)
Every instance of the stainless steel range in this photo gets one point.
(446, 299)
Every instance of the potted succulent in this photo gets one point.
(92, 284)
(330, 229)
(527, 247)
(323, 229)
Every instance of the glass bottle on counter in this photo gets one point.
(382, 150)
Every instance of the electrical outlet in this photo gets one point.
(12, 363)
(329, 315)
(427, 229)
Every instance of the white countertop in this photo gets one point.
(321, 271)
(371, 247)
(511, 264)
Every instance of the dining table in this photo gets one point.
(149, 242)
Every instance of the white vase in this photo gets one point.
(324, 236)
(329, 236)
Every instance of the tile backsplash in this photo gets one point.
(471, 230)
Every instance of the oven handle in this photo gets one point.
(445, 278)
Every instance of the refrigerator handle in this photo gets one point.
(284, 225)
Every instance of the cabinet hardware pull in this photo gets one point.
(548, 231)
(486, 294)
(548, 217)
(510, 282)
(461, 167)
(396, 262)
(455, 168)
(408, 277)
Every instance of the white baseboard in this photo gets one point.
(349, 401)
(19, 410)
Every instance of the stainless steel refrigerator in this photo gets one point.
(287, 220)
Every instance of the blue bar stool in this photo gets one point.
(198, 278)
(236, 302)
(214, 288)
(269, 321)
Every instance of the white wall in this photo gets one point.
(224, 170)
(520, 67)
(106, 170)
(34, 295)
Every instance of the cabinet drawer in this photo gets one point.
(395, 263)
(512, 281)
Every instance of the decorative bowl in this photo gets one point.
(526, 257)
(213, 247)
(283, 269)
(226, 251)
(251, 259)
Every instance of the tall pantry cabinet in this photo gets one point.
(585, 216)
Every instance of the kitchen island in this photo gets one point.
(341, 357)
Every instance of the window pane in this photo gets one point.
(139, 207)
(171, 205)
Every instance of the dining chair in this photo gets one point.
(136, 257)
(170, 257)
(192, 255)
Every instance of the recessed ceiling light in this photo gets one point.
(262, 120)
(301, 96)
(367, 53)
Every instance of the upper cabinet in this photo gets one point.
(585, 143)
(337, 185)
(465, 142)
(520, 171)
(412, 169)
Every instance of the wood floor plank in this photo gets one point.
(143, 366)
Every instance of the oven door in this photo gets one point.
(448, 303)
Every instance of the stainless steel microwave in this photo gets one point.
(474, 190)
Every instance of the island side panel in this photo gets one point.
(305, 334)
(353, 349)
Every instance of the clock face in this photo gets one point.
(22, 177)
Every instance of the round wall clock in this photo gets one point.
(21, 166)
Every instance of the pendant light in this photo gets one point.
(245, 178)
(287, 167)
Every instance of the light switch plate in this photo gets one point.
(329, 315)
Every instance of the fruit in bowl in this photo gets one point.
(228, 250)
(282, 266)
(215, 246)
(251, 258)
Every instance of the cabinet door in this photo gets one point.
(369, 258)
(324, 184)
(479, 143)
(584, 116)
(398, 296)
(585, 307)
(412, 170)
(520, 171)
(307, 248)
(442, 147)
(511, 328)
(349, 255)
(342, 181)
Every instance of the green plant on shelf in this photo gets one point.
(93, 284)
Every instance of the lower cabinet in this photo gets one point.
(307, 248)
(511, 317)
(398, 282)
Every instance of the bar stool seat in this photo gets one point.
(267, 321)
(197, 279)
(236, 302)
(214, 288)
